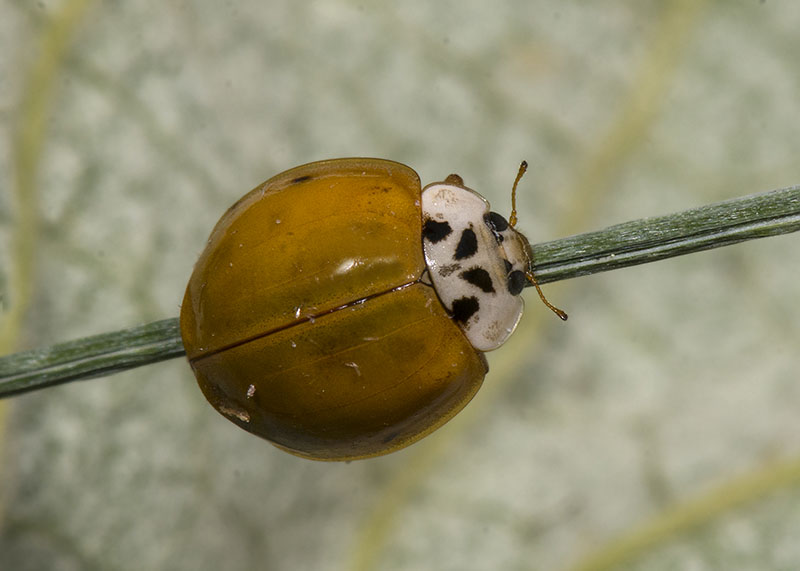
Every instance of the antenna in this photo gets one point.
(512, 221)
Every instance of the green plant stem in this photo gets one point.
(90, 357)
(628, 244)
(652, 239)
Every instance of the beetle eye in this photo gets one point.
(516, 282)
(496, 222)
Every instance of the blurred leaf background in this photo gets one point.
(657, 429)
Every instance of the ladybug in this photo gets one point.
(341, 312)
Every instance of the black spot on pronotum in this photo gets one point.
(434, 231)
(467, 245)
(516, 282)
(479, 278)
(496, 222)
(464, 308)
(300, 179)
